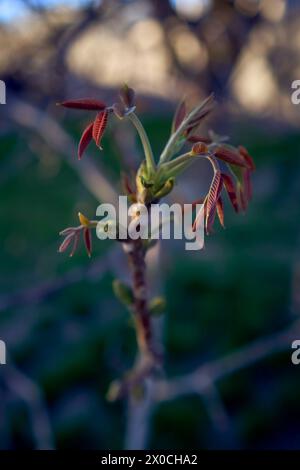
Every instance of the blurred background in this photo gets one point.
(233, 308)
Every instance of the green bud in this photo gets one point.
(123, 292)
(157, 306)
(166, 188)
(113, 392)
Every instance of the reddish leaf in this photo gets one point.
(201, 213)
(231, 191)
(86, 138)
(249, 160)
(75, 243)
(66, 243)
(248, 184)
(179, 116)
(99, 127)
(212, 199)
(220, 211)
(230, 156)
(84, 103)
(242, 197)
(192, 205)
(127, 185)
(195, 138)
(196, 121)
(87, 241)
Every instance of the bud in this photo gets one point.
(127, 96)
(123, 292)
(198, 148)
(114, 391)
(166, 188)
(83, 220)
(157, 306)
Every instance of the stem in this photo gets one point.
(136, 259)
(145, 142)
(168, 150)
(177, 166)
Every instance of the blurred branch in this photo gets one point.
(138, 419)
(208, 374)
(42, 291)
(29, 392)
(48, 129)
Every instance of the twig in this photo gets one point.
(211, 372)
(42, 291)
(40, 122)
(29, 392)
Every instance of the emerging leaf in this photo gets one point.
(99, 127)
(66, 243)
(249, 160)
(212, 199)
(84, 103)
(87, 241)
(179, 116)
(231, 191)
(230, 156)
(86, 138)
(75, 243)
(220, 211)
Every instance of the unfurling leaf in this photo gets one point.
(123, 292)
(248, 184)
(229, 155)
(87, 241)
(179, 116)
(75, 243)
(212, 199)
(244, 152)
(86, 138)
(84, 103)
(66, 243)
(220, 211)
(231, 191)
(194, 123)
(99, 127)
(201, 214)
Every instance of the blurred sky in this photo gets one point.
(12, 9)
